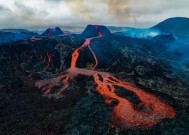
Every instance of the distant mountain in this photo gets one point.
(11, 35)
(14, 30)
(93, 31)
(177, 26)
(52, 32)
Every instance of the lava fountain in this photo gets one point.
(124, 114)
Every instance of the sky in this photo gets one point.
(130, 13)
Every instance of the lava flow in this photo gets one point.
(45, 60)
(124, 114)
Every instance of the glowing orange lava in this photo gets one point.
(124, 113)
(45, 60)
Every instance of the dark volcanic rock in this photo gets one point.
(164, 39)
(93, 31)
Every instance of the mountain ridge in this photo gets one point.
(173, 26)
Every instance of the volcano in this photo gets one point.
(177, 26)
(93, 31)
(102, 84)
(52, 32)
(124, 113)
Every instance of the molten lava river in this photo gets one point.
(124, 114)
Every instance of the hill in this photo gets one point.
(177, 26)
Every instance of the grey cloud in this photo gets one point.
(177, 4)
(54, 1)
(24, 11)
(4, 9)
(28, 13)
(21, 16)
(146, 11)
(119, 8)
(24, 8)
(137, 13)
(116, 8)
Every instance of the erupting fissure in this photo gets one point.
(124, 114)
(45, 60)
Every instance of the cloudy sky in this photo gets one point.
(134, 13)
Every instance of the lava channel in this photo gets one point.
(124, 114)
